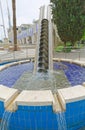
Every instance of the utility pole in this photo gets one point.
(2, 19)
(14, 24)
(9, 20)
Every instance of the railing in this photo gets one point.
(75, 54)
(26, 53)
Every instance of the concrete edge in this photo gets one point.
(10, 98)
(7, 94)
(43, 98)
(62, 101)
(34, 98)
(83, 84)
(81, 63)
(13, 64)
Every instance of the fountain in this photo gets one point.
(5, 120)
(61, 121)
(35, 103)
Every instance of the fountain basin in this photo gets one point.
(12, 71)
(40, 109)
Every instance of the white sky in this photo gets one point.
(26, 11)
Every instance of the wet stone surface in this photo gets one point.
(42, 81)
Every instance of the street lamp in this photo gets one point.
(14, 24)
(1, 37)
(2, 19)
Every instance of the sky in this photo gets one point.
(26, 12)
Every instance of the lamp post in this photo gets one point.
(2, 20)
(14, 24)
(9, 19)
(1, 37)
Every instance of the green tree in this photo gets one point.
(69, 17)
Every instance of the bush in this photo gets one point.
(59, 48)
(67, 49)
(68, 44)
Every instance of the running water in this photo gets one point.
(5, 120)
(42, 81)
(61, 121)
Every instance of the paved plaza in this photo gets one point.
(10, 55)
(30, 53)
(78, 54)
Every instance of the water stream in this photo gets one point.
(61, 121)
(5, 120)
(41, 81)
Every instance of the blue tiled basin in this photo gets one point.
(74, 73)
(43, 117)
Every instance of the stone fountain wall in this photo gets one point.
(40, 109)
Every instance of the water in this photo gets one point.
(74, 73)
(9, 76)
(61, 121)
(41, 81)
(5, 120)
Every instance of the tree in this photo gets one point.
(69, 17)
(14, 24)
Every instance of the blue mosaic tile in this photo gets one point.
(75, 74)
(10, 75)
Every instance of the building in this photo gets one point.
(26, 33)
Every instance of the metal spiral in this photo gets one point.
(43, 63)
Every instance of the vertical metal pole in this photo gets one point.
(14, 24)
(26, 51)
(9, 20)
(65, 52)
(79, 54)
(50, 35)
(2, 19)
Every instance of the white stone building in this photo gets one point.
(26, 33)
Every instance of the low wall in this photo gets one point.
(36, 109)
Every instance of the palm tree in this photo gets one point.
(14, 24)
